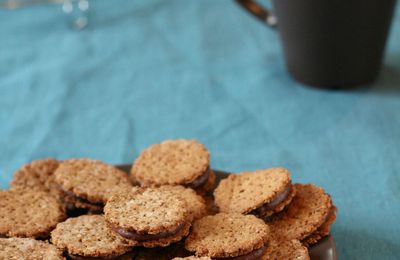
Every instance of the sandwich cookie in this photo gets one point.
(89, 237)
(229, 236)
(196, 204)
(174, 162)
(286, 250)
(89, 183)
(261, 193)
(153, 217)
(307, 218)
(38, 176)
(28, 249)
(28, 213)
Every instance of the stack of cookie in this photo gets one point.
(168, 207)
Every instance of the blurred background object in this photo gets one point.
(330, 44)
(13, 4)
(76, 9)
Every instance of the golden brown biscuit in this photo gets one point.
(89, 183)
(307, 218)
(38, 175)
(28, 213)
(89, 236)
(28, 249)
(261, 193)
(152, 216)
(228, 235)
(173, 162)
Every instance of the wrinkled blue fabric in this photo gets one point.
(144, 71)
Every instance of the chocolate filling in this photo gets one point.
(83, 200)
(201, 180)
(253, 255)
(272, 204)
(145, 237)
(112, 257)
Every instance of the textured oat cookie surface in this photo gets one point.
(28, 213)
(92, 180)
(286, 250)
(196, 205)
(89, 236)
(147, 211)
(28, 249)
(307, 212)
(227, 235)
(171, 162)
(37, 175)
(247, 191)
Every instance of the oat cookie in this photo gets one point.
(89, 236)
(89, 183)
(28, 249)
(152, 216)
(38, 175)
(28, 213)
(173, 162)
(262, 193)
(286, 250)
(308, 217)
(228, 235)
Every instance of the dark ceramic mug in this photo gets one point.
(330, 43)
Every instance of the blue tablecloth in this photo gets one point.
(144, 71)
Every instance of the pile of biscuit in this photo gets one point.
(168, 206)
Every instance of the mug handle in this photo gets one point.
(260, 12)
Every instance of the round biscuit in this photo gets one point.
(89, 236)
(28, 213)
(147, 211)
(38, 175)
(172, 162)
(247, 191)
(227, 235)
(28, 249)
(308, 210)
(91, 180)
